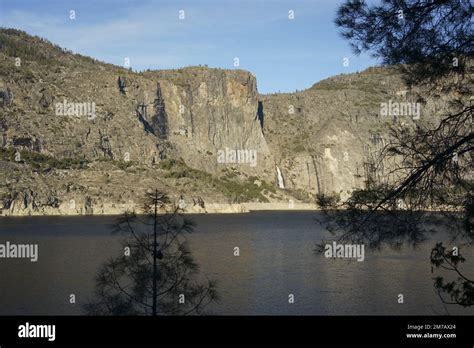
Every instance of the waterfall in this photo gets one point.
(280, 178)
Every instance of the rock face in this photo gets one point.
(78, 136)
(208, 110)
(190, 113)
(326, 139)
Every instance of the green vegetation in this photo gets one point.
(15, 43)
(41, 162)
(235, 191)
(297, 146)
(326, 201)
(19, 44)
(118, 163)
(366, 81)
(122, 164)
(301, 195)
(231, 173)
(264, 185)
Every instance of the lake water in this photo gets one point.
(276, 259)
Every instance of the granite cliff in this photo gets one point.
(78, 136)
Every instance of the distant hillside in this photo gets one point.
(79, 136)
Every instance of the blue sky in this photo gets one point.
(284, 54)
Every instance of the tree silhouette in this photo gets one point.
(156, 275)
(461, 290)
(428, 36)
(431, 167)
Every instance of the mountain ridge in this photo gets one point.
(164, 128)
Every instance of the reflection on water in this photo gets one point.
(276, 259)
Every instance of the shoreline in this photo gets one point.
(210, 208)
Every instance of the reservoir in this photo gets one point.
(276, 259)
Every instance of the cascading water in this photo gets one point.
(281, 184)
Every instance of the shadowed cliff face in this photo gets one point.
(195, 111)
(92, 137)
(210, 110)
(78, 136)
